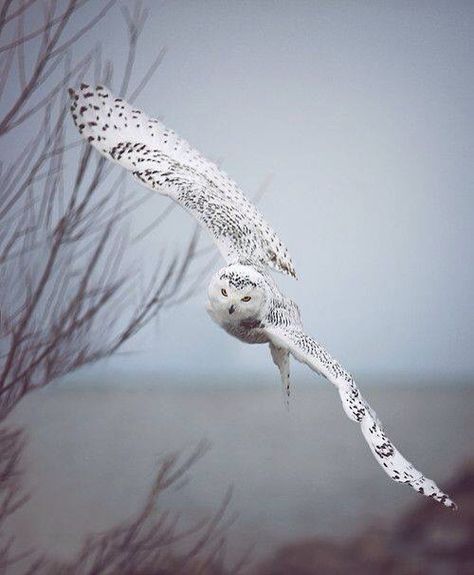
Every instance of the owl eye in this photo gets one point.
(223, 292)
(246, 298)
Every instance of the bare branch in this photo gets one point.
(68, 296)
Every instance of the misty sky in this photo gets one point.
(362, 113)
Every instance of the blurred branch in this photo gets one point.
(49, 54)
(11, 496)
(68, 296)
(60, 234)
(148, 542)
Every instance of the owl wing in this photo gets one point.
(164, 162)
(285, 331)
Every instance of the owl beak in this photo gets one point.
(232, 309)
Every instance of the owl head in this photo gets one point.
(237, 292)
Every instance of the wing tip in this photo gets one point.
(283, 265)
(439, 496)
(88, 108)
(290, 270)
(87, 91)
(449, 503)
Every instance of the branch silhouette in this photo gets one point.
(67, 293)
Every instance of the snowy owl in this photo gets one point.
(243, 297)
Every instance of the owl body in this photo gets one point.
(245, 301)
(243, 297)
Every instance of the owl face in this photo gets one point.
(236, 293)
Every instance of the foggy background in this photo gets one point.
(361, 113)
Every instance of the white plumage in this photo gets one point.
(243, 298)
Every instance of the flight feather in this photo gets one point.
(164, 162)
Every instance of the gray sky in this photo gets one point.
(363, 114)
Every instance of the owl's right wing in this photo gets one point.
(164, 162)
(285, 331)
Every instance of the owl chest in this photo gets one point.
(248, 331)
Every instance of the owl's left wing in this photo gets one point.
(287, 332)
(164, 162)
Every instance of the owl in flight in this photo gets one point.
(243, 297)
